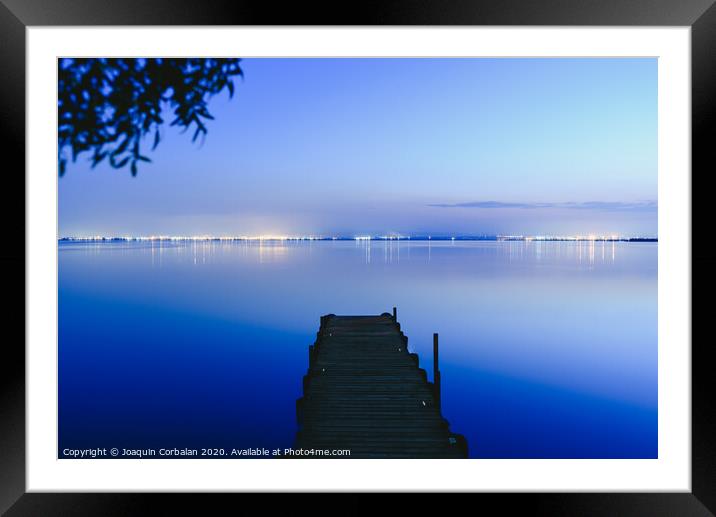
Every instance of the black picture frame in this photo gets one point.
(17, 15)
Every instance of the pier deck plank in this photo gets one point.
(366, 393)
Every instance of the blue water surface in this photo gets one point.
(547, 349)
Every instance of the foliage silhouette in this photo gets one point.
(107, 106)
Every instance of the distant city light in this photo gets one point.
(272, 237)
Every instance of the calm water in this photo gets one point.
(548, 350)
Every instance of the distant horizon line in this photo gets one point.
(365, 237)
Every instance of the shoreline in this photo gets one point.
(490, 238)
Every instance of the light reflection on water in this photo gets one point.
(548, 349)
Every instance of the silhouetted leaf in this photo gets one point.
(121, 147)
(199, 130)
(120, 164)
(98, 157)
(108, 104)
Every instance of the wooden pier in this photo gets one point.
(366, 393)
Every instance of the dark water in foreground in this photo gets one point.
(548, 350)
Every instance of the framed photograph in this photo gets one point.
(423, 250)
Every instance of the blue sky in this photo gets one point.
(412, 146)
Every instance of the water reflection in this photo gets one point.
(550, 347)
(269, 251)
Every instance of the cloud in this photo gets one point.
(570, 205)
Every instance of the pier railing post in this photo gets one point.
(436, 371)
